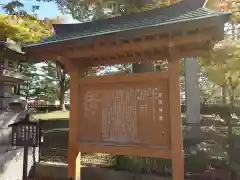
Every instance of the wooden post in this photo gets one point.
(72, 137)
(25, 163)
(74, 156)
(175, 120)
(78, 167)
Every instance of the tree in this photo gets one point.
(28, 89)
(223, 66)
(57, 81)
(226, 6)
(55, 75)
(86, 10)
(24, 30)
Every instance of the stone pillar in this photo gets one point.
(1, 95)
(5, 63)
(193, 104)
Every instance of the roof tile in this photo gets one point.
(186, 10)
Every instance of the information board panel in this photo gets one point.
(130, 112)
(25, 134)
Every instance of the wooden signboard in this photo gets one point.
(125, 112)
(25, 133)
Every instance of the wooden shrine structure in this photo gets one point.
(137, 114)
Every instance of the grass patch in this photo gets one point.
(55, 115)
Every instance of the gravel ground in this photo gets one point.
(11, 163)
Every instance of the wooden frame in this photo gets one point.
(137, 103)
(174, 152)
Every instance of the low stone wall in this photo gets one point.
(50, 170)
(59, 172)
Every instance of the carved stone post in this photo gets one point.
(192, 97)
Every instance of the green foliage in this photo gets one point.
(12, 6)
(226, 5)
(22, 30)
(54, 84)
(202, 162)
(142, 164)
(223, 66)
(88, 10)
(29, 87)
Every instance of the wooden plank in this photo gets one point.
(78, 167)
(136, 78)
(142, 45)
(144, 152)
(200, 52)
(196, 51)
(120, 111)
(126, 47)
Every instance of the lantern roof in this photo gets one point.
(11, 45)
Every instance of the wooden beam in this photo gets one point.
(42, 56)
(147, 77)
(141, 59)
(105, 60)
(144, 152)
(142, 45)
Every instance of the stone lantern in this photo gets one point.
(10, 79)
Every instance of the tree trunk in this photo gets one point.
(233, 30)
(224, 95)
(230, 127)
(62, 98)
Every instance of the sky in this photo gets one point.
(47, 9)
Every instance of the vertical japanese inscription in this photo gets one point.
(150, 103)
(119, 115)
(119, 110)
